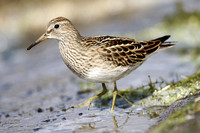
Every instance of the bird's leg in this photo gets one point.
(115, 92)
(126, 99)
(89, 101)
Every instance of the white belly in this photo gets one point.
(106, 76)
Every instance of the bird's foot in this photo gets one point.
(87, 102)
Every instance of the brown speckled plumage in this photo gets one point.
(100, 59)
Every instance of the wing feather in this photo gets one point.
(125, 51)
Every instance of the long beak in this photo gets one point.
(42, 38)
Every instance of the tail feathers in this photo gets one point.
(162, 39)
(164, 44)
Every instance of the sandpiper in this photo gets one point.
(100, 59)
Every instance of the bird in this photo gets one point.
(99, 59)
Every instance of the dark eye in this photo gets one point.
(56, 26)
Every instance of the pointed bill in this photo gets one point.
(42, 38)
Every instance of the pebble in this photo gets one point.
(39, 110)
(63, 118)
(80, 114)
(50, 109)
(48, 120)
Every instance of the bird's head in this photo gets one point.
(59, 28)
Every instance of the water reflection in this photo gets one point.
(116, 123)
(90, 126)
(98, 125)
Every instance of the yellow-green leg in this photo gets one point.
(115, 92)
(89, 101)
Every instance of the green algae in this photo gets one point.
(86, 88)
(155, 111)
(171, 93)
(185, 120)
(152, 94)
(131, 94)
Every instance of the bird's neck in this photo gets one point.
(70, 36)
(72, 53)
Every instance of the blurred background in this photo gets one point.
(22, 22)
(38, 79)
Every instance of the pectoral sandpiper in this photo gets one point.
(102, 59)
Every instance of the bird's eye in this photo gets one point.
(56, 26)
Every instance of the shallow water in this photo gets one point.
(39, 79)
